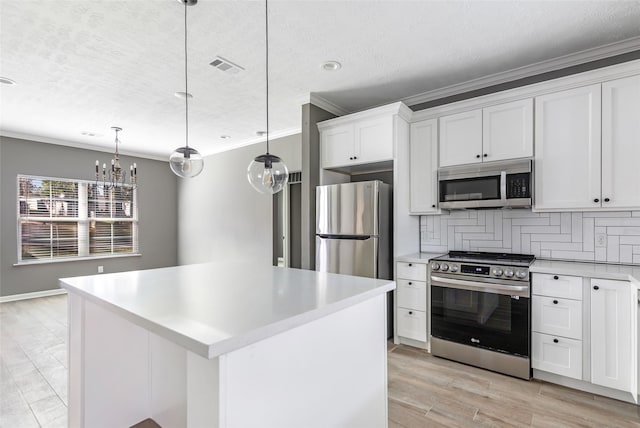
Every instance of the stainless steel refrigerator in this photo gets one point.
(354, 231)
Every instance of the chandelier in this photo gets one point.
(116, 177)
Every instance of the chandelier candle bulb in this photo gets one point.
(97, 168)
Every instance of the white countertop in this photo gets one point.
(212, 309)
(586, 269)
(418, 257)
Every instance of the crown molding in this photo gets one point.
(318, 101)
(78, 145)
(398, 108)
(577, 58)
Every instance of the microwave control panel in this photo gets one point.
(518, 186)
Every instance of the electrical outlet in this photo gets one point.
(100, 269)
(601, 240)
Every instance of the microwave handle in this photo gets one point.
(503, 186)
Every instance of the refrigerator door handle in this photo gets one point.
(350, 237)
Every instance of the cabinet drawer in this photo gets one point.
(406, 270)
(556, 316)
(557, 355)
(564, 286)
(412, 324)
(412, 294)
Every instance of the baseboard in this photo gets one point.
(34, 295)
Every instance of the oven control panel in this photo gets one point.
(482, 270)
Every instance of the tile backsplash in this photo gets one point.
(612, 237)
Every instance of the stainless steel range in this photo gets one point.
(481, 311)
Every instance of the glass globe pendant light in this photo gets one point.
(186, 161)
(267, 173)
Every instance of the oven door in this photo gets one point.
(491, 314)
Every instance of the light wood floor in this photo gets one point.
(424, 391)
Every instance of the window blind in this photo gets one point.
(63, 218)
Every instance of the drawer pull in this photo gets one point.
(410, 265)
(555, 302)
(555, 340)
(555, 277)
(410, 283)
(595, 287)
(410, 312)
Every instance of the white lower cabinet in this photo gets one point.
(411, 302)
(614, 351)
(556, 319)
(556, 354)
(610, 349)
(412, 324)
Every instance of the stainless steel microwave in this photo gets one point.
(486, 185)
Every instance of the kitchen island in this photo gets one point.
(227, 345)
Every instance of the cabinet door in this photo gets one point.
(567, 146)
(423, 180)
(507, 131)
(373, 140)
(337, 146)
(614, 335)
(461, 138)
(621, 143)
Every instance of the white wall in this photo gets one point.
(220, 216)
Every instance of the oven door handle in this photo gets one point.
(515, 290)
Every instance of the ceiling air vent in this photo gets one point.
(225, 65)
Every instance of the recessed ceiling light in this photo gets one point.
(7, 81)
(90, 134)
(181, 95)
(331, 66)
(225, 137)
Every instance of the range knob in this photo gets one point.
(497, 271)
(453, 268)
(521, 274)
(444, 267)
(508, 272)
(435, 266)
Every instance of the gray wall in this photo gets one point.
(157, 209)
(221, 217)
(311, 115)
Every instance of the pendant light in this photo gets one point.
(185, 161)
(267, 173)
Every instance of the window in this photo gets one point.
(65, 219)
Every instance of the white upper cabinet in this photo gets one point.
(361, 138)
(621, 143)
(499, 132)
(373, 140)
(461, 138)
(424, 167)
(614, 350)
(507, 131)
(567, 149)
(337, 145)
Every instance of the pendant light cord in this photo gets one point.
(266, 30)
(186, 85)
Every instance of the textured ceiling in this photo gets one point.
(87, 65)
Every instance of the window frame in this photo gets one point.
(82, 220)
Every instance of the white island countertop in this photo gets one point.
(213, 309)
